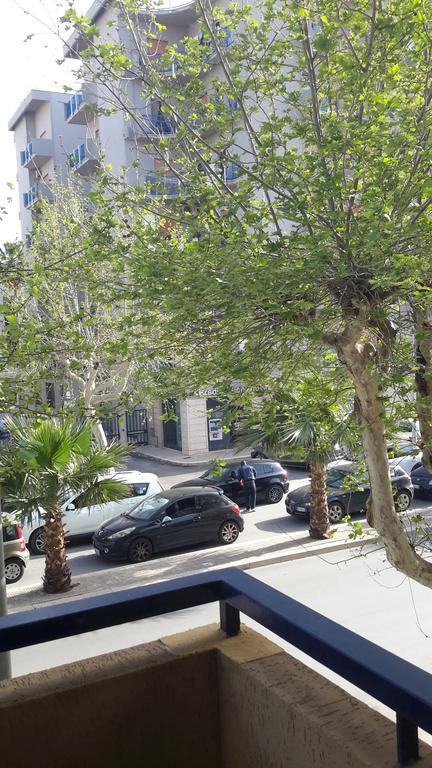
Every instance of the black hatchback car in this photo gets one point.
(271, 480)
(169, 520)
(422, 480)
(342, 501)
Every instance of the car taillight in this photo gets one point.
(234, 508)
(22, 546)
(285, 473)
(18, 531)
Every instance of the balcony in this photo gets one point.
(160, 186)
(80, 106)
(35, 193)
(219, 697)
(84, 159)
(150, 127)
(36, 153)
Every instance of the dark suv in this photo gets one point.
(271, 480)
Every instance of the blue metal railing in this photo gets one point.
(31, 196)
(162, 185)
(73, 105)
(77, 157)
(26, 155)
(404, 688)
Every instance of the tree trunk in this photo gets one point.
(423, 380)
(358, 355)
(319, 518)
(99, 433)
(57, 576)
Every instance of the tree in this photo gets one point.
(69, 325)
(48, 460)
(308, 419)
(303, 220)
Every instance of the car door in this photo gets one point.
(230, 483)
(80, 519)
(182, 529)
(209, 507)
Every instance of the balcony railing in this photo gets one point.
(35, 193)
(403, 687)
(147, 127)
(30, 197)
(162, 185)
(83, 160)
(73, 105)
(36, 153)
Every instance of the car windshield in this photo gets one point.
(145, 510)
(335, 478)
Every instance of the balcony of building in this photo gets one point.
(148, 128)
(162, 185)
(36, 153)
(84, 158)
(221, 696)
(35, 193)
(81, 106)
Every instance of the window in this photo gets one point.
(181, 508)
(139, 489)
(263, 469)
(209, 501)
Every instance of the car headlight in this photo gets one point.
(121, 534)
(430, 482)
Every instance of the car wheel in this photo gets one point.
(14, 569)
(336, 512)
(37, 542)
(229, 532)
(140, 550)
(274, 494)
(402, 501)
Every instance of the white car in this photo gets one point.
(81, 521)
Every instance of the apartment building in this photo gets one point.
(57, 132)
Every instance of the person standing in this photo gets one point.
(247, 475)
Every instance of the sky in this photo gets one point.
(25, 65)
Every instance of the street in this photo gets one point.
(268, 530)
(269, 525)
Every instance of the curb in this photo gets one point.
(184, 462)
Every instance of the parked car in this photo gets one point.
(408, 462)
(16, 553)
(294, 460)
(82, 520)
(342, 501)
(170, 520)
(271, 480)
(421, 479)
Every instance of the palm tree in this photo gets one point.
(47, 461)
(306, 424)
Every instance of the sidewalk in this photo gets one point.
(178, 459)
(267, 551)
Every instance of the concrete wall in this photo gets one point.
(194, 426)
(198, 700)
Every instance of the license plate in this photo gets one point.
(301, 509)
(416, 486)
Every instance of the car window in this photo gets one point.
(209, 501)
(277, 469)
(181, 508)
(416, 466)
(9, 532)
(145, 510)
(138, 489)
(262, 469)
(219, 473)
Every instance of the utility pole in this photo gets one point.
(5, 658)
